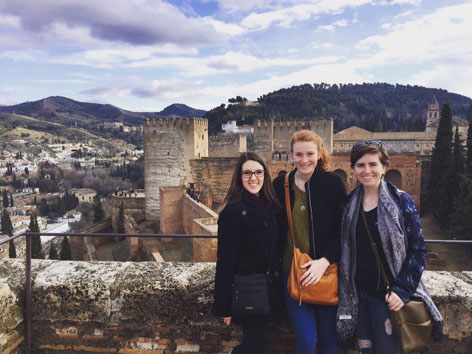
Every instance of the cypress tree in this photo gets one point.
(52, 251)
(461, 222)
(468, 163)
(11, 249)
(7, 227)
(11, 200)
(440, 161)
(451, 187)
(5, 199)
(36, 247)
(121, 220)
(99, 213)
(65, 253)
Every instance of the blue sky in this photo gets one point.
(143, 55)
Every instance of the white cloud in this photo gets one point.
(286, 16)
(450, 77)
(437, 36)
(9, 21)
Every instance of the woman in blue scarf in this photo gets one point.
(390, 216)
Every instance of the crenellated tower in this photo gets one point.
(169, 145)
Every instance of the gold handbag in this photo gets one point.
(412, 323)
(325, 291)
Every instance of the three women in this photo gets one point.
(321, 227)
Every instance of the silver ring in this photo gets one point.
(310, 274)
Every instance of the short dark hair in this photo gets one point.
(236, 188)
(361, 149)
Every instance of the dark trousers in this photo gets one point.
(375, 332)
(255, 331)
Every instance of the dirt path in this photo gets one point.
(451, 257)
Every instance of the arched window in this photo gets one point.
(395, 177)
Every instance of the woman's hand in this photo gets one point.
(314, 272)
(227, 320)
(394, 302)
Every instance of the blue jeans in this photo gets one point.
(312, 323)
(375, 332)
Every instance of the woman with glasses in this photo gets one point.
(316, 198)
(248, 243)
(380, 230)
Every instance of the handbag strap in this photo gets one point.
(380, 267)
(288, 208)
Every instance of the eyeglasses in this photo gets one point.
(367, 142)
(248, 173)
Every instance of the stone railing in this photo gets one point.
(112, 307)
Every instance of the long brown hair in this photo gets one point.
(236, 188)
(312, 137)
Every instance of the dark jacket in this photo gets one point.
(325, 193)
(246, 234)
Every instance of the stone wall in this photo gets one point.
(227, 145)
(171, 210)
(133, 206)
(169, 145)
(212, 175)
(273, 137)
(404, 170)
(194, 210)
(204, 249)
(150, 307)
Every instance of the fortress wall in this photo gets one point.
(133, 206)
(227, 145)
(263, 138)
(212, 175)
(191, 210)
(169, 145)
(151, 307)
(171, 210)
(283, 131)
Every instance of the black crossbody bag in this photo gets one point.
(251, 292)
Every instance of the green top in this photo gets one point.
(301, 228)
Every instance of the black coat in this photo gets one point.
(326, 194)
(246, 234)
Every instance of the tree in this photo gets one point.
(36, 247)
(5, 199)
(451, 188)
(468, 163)
(461, 222)
(11, 200)
(99, 213)
(52, 251)
(11, 249)
(7, 227)
(120, 227)
(440, 161)
(65, 253)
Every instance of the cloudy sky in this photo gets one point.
(143, 55)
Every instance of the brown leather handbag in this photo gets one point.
(412, 323)
(325, 291)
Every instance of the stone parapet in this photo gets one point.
(152, 307)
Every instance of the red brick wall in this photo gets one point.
(171, 210)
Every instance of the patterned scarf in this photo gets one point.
(394, 243)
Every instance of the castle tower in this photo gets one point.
(273, 137)
(169, 145)
(432, 115)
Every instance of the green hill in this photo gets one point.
(376, 107)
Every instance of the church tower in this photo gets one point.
(432, 115)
